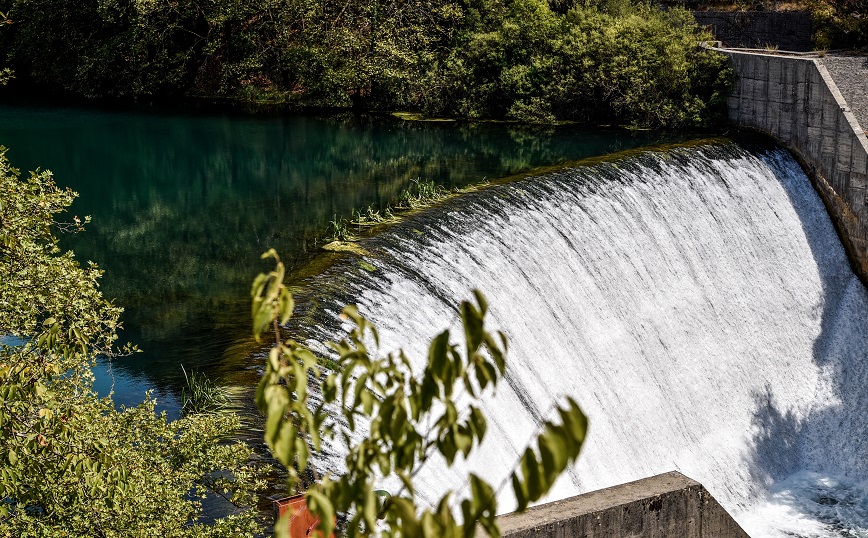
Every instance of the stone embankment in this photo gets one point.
(816, 105)
(786, 30)
(666, 505)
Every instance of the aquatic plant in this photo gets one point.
(338, 230)
(421, 192)
(201, 395)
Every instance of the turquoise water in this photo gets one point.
(183, 205)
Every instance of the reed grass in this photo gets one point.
(421, 193)
(201, 395)
(338, 229)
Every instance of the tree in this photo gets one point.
(591, 61)
(383, 396)
(840, 23)
(73, 465)
(5, 72)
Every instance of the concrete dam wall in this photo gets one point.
(669, 504)
(797, 100)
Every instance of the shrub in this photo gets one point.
(72, 464)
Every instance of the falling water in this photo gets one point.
(696, 302)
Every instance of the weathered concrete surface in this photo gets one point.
(796, 100)
(787, 30)
(666, 505)
(850, 73)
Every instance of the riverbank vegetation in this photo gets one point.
(71, 463)
(421, 193)
(841, 24)
(591, 61)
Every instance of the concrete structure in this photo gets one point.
(796, 100)
(786, 30)
(666, 505)
(850, 74)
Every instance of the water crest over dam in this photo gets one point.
(696, 302)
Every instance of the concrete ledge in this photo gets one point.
(666, 505)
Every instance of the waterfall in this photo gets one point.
(695, 301)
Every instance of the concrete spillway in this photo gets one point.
(697, 304)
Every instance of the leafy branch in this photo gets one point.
(405, 419)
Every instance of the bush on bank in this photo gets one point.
(593, 61)
(71, 464)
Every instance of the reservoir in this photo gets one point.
(183, 205)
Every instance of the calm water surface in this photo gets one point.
(183, 205)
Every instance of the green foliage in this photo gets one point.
(840, 24)
(596, 63)
(368, 53)
(406, 418)
(73, 465)
(338, 230)
(610, 61)
(420, 193)
(5, 73)
(106, 47)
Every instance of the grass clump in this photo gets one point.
(421, 193)
(201, 395)
(338, 230)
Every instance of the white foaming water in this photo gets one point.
(697, 304)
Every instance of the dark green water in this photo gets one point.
(182, 206)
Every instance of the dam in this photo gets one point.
(817, 105)
(695, 300)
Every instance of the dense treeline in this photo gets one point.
(592, 61)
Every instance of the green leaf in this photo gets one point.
(322, 506)
(270, 253)
(285, 305)
(438, 361)
(480, 424)
(473, 327)
(532, 476)
(281, 526)
(483, 304)
(521, 493)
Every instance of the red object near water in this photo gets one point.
(302, 523)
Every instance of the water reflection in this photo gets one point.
(183, 205)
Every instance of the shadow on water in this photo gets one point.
(828, 438)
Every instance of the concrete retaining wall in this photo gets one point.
(795, 100)
(667, 505)
(787, 30)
